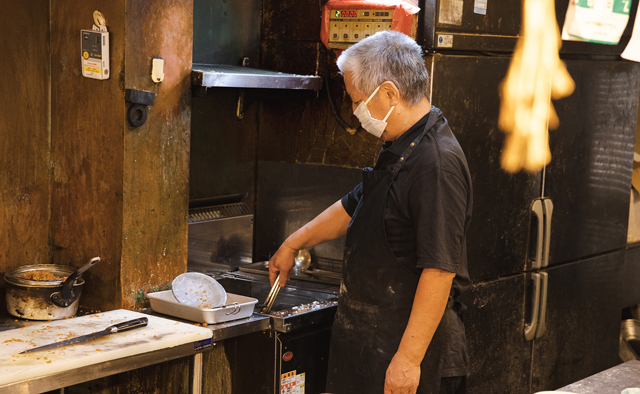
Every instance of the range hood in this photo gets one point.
(228, 76)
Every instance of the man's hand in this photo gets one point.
(403, 376)
(282, 263)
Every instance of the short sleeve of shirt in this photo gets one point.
(351, 200)
(438, 204)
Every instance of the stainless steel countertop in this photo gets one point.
(233, 328)
(610, 381)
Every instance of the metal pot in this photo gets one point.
(34, 299)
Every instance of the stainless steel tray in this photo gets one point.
(238, 307)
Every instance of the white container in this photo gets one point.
(238, 307)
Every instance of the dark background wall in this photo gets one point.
(288, 147)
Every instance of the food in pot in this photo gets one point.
(41, 275)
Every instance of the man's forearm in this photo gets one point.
(428, 308)
(330, 224)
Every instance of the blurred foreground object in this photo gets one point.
(535, 75)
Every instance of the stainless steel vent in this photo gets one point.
(197, 215)
(220, 237)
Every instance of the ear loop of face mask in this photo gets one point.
(369, 99)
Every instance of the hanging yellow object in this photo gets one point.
(535, 76)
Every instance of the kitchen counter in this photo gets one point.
(284, 320)
(161, 340)
(610, 381)
(230, 329)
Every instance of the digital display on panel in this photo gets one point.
(346, 14)
(354, 13)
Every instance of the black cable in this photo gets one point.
(341, 122)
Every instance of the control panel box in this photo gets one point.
(348, 27)
(347, 22)
(95, 54)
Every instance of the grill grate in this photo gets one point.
(329, 264)
(218, 212)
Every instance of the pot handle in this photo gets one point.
(67, 297)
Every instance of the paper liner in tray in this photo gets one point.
(164, 302)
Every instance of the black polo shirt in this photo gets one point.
(428, 211)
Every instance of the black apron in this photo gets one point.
(375, 299)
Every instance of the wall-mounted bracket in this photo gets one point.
(137, 113)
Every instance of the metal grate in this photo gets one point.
(218, 212)
(329, 264)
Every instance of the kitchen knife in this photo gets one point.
(120, 327)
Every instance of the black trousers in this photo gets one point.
(454, 385)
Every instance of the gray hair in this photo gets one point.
(387, 56)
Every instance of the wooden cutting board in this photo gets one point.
(158, 334)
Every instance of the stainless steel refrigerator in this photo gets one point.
(546, 249)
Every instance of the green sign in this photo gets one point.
(584, 3)
(622, 6)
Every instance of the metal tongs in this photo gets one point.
(272, 296)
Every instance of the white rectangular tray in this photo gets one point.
(164, 302)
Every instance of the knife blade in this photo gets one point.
(119, 327)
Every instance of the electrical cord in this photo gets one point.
(341, 122)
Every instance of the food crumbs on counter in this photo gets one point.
(49, 362)
(154, 336)
(98, 350)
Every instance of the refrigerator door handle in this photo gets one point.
(530, 329)
(538, 210)
(542, 325)
(548, 212)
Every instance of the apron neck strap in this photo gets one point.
(407, 152)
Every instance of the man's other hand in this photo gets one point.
(403, 376)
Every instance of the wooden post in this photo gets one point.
(78, 180)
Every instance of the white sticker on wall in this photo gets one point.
(450, 12)
(291, 383)
(632, 52)
(445, 41)
(480, 7)
(599, 21)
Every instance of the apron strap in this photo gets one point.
(433, 118)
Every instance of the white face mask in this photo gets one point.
(373, 126)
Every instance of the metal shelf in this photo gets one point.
(220, 75)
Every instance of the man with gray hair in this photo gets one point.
(398, 327)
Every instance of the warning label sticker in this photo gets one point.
(91, 67)
(292, 383)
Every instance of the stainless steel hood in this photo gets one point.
(221, 75)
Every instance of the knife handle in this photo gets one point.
(129, 325)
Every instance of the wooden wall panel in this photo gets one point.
(87, 150)
(24, 134)
(156, 155)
